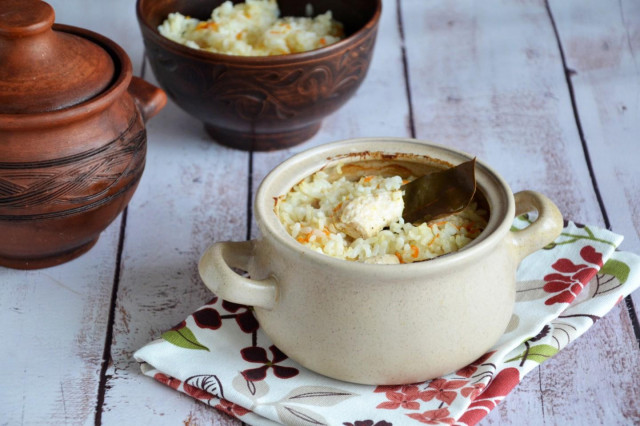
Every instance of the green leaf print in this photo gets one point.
(581, 233)
(618, 269)
(184, 338)
(538, 353)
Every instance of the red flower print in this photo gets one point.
(207, 318)
(401, 396)
(231, 409)
(483, 358)
(259, 355)
(470, 369)
(472, 391)
(392, 388)
(442, 390)
(572, 278)
(433, 417)
(467, 371)
(245, 319)
(498, 388)
(167, 380)
(196, 392)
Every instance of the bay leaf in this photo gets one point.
(440, 193)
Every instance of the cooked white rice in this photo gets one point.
(309, 212)
(252, 29)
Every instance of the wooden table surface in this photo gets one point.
(547, 92)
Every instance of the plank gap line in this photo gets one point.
(631, 309)
(568, 72)
(143, 68)
(106, 355)
(628, 38)
(541, 394)
(249, 195)
(405, 68)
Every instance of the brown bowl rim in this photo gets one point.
(258, 60)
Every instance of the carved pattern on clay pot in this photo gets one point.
(73, 184)
(264, 96)
(268, 96)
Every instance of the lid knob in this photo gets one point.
(43, 68)
(19, 22)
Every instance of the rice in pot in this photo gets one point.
(313, 210)
(252, 29)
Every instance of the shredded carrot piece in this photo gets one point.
(415, 251)
(469, 227)
(326, 231)
(399, 256)
(405, 181)
(338, 207)
(207, 25)
(305, 238)
(323, 41)
(368, 178)
(433, 239)
(239, 36)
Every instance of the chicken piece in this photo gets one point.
(383, 259)
(366, 215)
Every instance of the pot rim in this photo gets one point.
(308, 162)
(183, 50)
(120, 81)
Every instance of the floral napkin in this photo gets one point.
(220, 356)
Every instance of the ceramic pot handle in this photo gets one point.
(543, 230)
(149, 99)
(215, 270)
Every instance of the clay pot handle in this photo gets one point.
(148, 98)
(543, 230)
(215, 270)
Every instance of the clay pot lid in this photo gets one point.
(42, 69)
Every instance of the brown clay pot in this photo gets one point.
(261, 103)
(72, 135)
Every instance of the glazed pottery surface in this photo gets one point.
(67, 171)
(261, 103)
(381, 324)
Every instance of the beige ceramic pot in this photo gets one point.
(381, 324)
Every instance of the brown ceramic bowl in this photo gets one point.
(69, 163)
(261, 103)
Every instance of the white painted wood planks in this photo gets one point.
(601, 44)
(55, 322)
(485, 77)
(57, 318)
(488, 78)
